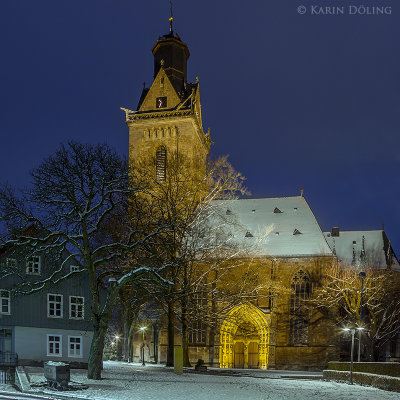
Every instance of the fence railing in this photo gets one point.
(8, 359)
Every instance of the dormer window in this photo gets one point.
(33, 265)
(11, 262)
(277, 211)
(248, 234)
(297, 232)
(228, 212)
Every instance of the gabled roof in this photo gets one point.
(363, 248)
(182, 94)
(293, 232)
(142, 97)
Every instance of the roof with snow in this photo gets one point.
(362, 248)
(276, 227)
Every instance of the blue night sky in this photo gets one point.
(295, 100)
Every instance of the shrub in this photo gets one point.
(378, 368)
(379, 381)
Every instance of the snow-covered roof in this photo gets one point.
(350, 247)
(277, 227)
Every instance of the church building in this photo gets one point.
(285, 236)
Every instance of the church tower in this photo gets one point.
(168, 119)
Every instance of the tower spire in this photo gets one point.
(171, 18)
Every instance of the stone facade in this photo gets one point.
(166, 116)
(272, 329)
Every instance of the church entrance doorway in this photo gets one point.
(239, 355)
(253, 355)
(244, 338)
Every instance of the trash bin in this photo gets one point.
(57, 374)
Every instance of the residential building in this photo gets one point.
(48, 324)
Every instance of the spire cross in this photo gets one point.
(171, 18)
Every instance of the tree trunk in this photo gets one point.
(95, 362)
(120, 342)
(100, 323)
(211, 347)
(155, 336)
(131, 329)
(214, 323)
(171, 334)
(184, 332)
(376, 350)
(127, 332)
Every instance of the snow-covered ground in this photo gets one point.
(123, 381)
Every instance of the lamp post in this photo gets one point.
(119, 350)
(352, 331)
(362, 275)
(143, 328)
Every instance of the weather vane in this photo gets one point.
(171, 18)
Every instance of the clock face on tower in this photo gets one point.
(161, 102)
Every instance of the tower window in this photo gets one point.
(161, 102)
(161, 163)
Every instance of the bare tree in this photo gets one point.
(76, 197)
(182, 198)
(373, 304)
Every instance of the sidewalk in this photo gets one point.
(123, 381)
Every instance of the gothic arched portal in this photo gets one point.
(244, 338)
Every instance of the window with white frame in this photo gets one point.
(76, 307)
(5, 304)
(54, 345)
(54, 305)
(11, 262)
(33, 265)
(74, 268)
(74, 346)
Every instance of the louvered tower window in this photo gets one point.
(300, 292)
(161, 163)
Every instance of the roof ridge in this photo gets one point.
(358, 230)
(265, 198)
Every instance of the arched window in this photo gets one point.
(161, 163)
(300, 292)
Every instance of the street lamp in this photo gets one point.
(362, 275)
(352, 331)
(143, 328)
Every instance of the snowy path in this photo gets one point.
(133, 382)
